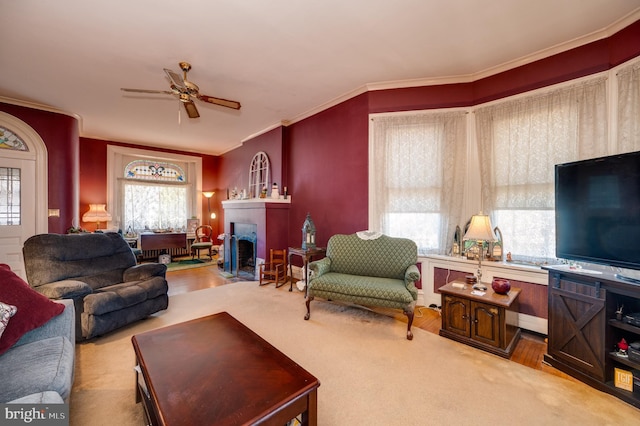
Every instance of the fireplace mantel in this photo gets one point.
(254, 202)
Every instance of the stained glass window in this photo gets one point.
(9, 140)
(9, 196)
(154, 170)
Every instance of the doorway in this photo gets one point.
(23, 189)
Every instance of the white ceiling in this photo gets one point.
(282, 59)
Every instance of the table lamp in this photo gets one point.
(97, 213)
(481, 231)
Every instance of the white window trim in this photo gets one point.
(115, 164)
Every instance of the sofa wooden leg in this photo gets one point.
(308, 315)
(409, 314)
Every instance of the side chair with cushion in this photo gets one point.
(203, 241)
(99, 272)
(274, 271)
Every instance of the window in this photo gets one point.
(10, 210)
(154, 196)
(415, 180)
(628, 80)
(9, 196)
(519, 143)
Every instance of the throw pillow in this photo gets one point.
(6, 312)
(33, 308)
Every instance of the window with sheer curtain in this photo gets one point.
(416, 176)
(155, 195)
(628, 79)
(519, 143)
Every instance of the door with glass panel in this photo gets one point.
(17, 208)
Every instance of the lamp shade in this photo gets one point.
(480, 229)
(97, 213)
(208, 194)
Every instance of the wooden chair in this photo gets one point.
(203, 241)
(276, 269)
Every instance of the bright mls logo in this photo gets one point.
(34, 414)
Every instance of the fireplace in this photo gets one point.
(252, 227)
(240, 250)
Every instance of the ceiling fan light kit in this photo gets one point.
(186, 91)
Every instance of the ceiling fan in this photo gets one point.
(186, 91)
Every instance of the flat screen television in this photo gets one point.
(598, 210)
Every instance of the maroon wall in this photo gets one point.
(328, 152)
(93, 173)
(328, 175)
(60, 134)
(233, 167)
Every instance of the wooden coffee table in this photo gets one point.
(215, 370)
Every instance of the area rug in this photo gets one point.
(369, 373)
(180, 265)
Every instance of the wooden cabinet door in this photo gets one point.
(577, 321)
(456, 315)
(485, 325)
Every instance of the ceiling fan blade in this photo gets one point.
(192, 111)
(176, 79)
(219, 101)
(147, 91)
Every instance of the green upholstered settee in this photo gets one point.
(369, 270)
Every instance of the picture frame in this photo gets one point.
(192, 224)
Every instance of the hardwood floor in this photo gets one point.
(529, 350)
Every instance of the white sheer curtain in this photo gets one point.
(418, 164)
(519, 142)
(629, 108)
(151, 205)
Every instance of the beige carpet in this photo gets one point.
(369, 373)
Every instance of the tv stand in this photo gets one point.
(584, 329)
(627, 279)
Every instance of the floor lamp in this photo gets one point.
(208, 195)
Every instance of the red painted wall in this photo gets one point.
(60, 134)
(328, 152)
(328, 175)
(93, 173)
(233, 167)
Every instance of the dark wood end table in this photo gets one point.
(215, 370)
(307, 256)
(488, 321)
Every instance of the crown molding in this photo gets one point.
(41, 107)
(506, 66)
(467, 78)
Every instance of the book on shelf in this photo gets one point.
(623, 379)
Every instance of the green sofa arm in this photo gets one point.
(320, 267)
(65, 289)
(412, 275)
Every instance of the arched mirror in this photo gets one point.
(258, 174)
